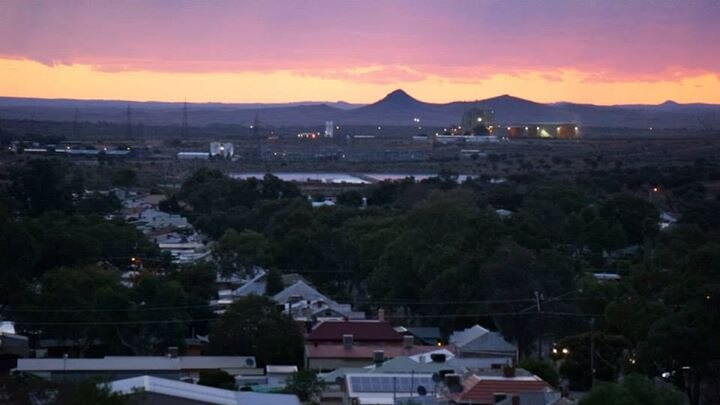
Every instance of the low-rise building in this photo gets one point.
(114, 367)
(149, 390)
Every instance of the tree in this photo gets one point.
(217, 379)
(634, 390)
(542, 369)
(254, 326)
(305, 384)
(237, 252)
(274, 282)
(44, 185)
(125, 178)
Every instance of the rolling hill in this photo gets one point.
(397, 108)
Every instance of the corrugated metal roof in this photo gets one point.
(198, 393)
(482, 390)
(367, 331)
(149, 363)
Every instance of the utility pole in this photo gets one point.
(592, 351)
(540, 324)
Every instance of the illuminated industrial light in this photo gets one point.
(508, 128)
(438, 344)
(555, 350)
(537, 128)
(576, 128)
(479, 119)
(565, 351)
(526, 128)
(379, 128)
(558, 128)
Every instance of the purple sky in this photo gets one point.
(459, 41)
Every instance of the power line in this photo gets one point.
(172, 321)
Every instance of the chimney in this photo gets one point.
(378, 357)
(347, 341)
(381, 315)
(172, 352)
(509, 371)
(408, 341)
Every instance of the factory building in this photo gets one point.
(558, 130)
(329, 129)
(225, 150)
(476, 117)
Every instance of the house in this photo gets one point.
(365, 331)
(151, 390)
(427, 335)
(381, 389)
(491, 390)
(114, 367)
(278, 375)
(477, 341)
(343, 344)
(304, 303)
(12, 346)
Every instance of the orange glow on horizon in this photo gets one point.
(26, 78)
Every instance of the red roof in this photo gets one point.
(362, 331)
(482, 390)
(362, 351)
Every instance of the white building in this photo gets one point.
(222, 149)
(329, 129)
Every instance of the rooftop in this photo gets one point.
(199, 393)
(482, 390)
(362, 331)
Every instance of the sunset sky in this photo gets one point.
(602, 52)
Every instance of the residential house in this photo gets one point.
(150, 390)
(427, 335)
(114, 367)
(12, 346)
(337, 344)
(491, 390)
(479, 342)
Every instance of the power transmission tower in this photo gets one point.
(128, 123)
(258, 140)
(184, 129)
(75, 124)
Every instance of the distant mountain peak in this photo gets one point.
(399, 96)
(669, 103)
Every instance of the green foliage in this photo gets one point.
(26, 389)
(274, 282)
(217, 379)
(634, 390)
(125, 178)
(253, 326)
(236, 252)
(542, 369)
(305, 384)
(43, 185)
